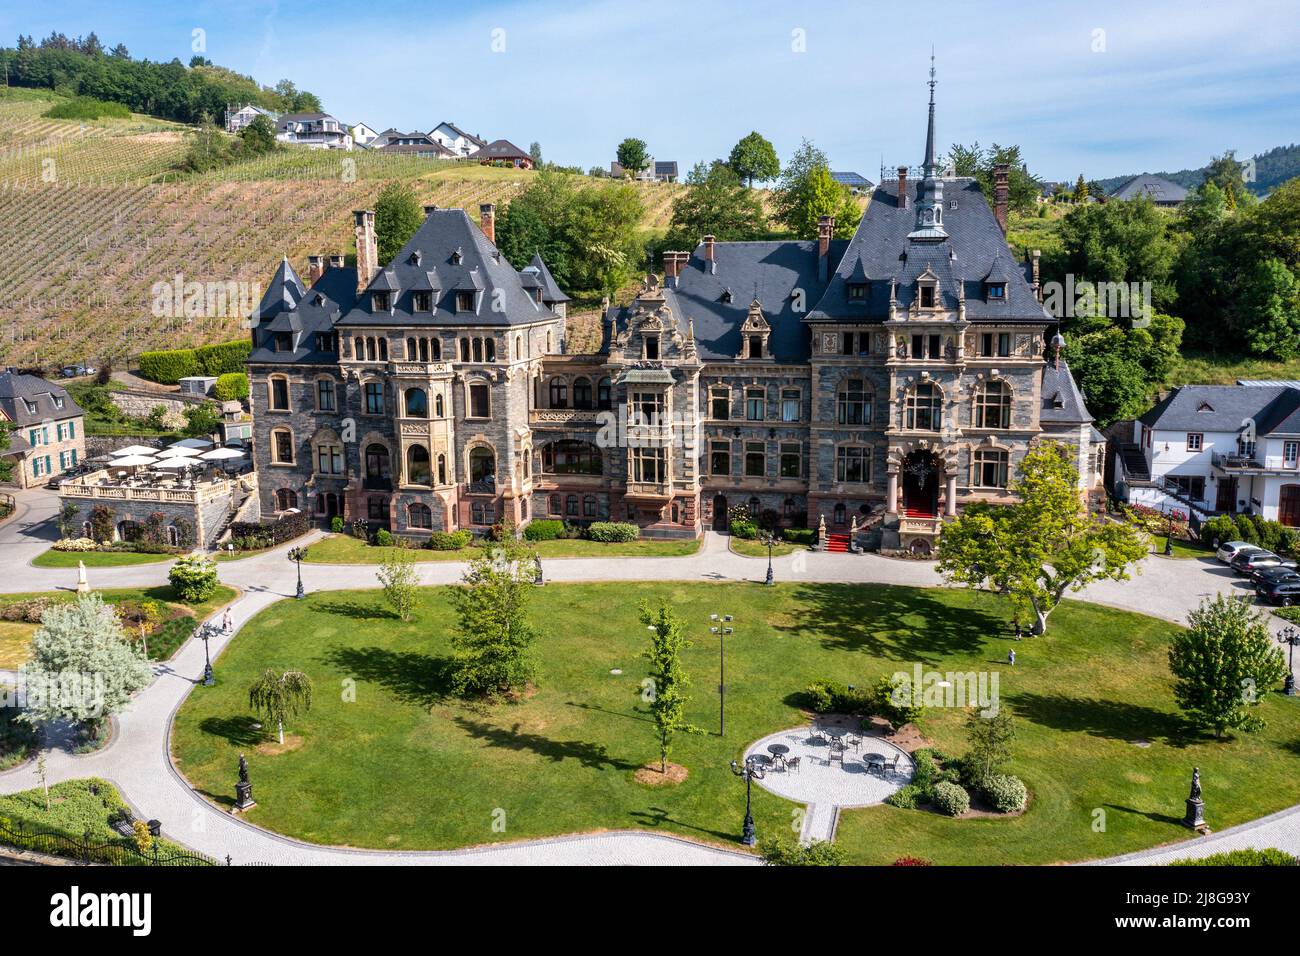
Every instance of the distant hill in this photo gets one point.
(1272, 169)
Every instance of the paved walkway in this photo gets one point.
(137, 759)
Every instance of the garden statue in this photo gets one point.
(1195, 817)
(83, 586)
(243, 790)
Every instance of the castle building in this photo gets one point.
(877, 383)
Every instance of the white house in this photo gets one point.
(1217, 448)
(239, 117)
(363, 135)
(316, 130)
(456, 139)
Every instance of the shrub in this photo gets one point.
(547, 529)
(168, 366)
(950, 798)
(449, 540)
(611, 532)
(1270, 856)
(383, 538)
(76, 544)
(193, 578)
(1220, 529)
(816, 853)
(1005, 793)
(828, 696)
(799, 535)
(893, 699)
(87, 108)
(224, 358)
(925, 773)
(911, 861)
(336, 524)
(906, 797)
(101, 523)
(744, 528)
(231, 387)
(28, 612)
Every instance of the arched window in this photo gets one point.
(549, 341)
(383, 350)
(490, 350)
(417, 403)
(478, 350)
(442, 469)
(437, 405)
(839, 513)
(788, 507)
(418, 515)
(853, 403)
(411, 350)
(279, 393)
(378, 472)
(359, 348)
(281, 446)
(559, 393)
(571, 506)
(482, 467)
(435, 349)
(604, 394)
(571, 457)
(755, 506)
(582, 393)
(555, 505)
(417, 465)
(464, 350)
(993, 406)
(519, 346)
(923, 410)
(370, 350)
(285, 499)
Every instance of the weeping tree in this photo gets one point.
(280, 696)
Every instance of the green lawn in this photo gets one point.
(1185, 549)
(345, 549)
(401, 766)
(756, 549)
(96, 559)
(179, 618)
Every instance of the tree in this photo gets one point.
(82, 667)
(280, 696)
(258, 136)
(633, 156)
(715, 203)
(816, 853)
(493, 641)
(1044, 545)
(754, 158)
(989, 744)
(806, 192)
(1222, 663)
(192, 577)
(535, 151)
(201, 420)
(6, 464)
(1227, 174)
(397, 216)
(1080, 189)
(667, 690)
(1023, 188)
(397, 575)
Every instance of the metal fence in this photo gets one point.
(122, 852)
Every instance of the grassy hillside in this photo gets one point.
(92, 215)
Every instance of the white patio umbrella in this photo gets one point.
(175, 452)
(132, 450)
(177, 463)
(133, 461)
(192, 443)
(221, 454)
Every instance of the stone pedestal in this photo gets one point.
(244, 797)
(1195, 818)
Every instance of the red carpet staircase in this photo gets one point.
(837, 543)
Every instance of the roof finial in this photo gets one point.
(931, 164)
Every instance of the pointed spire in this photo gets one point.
(929, 205)
(931, 164)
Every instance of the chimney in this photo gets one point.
(708, 255)
(825, 229)
(429, 210)
(1037, 285)
(367, 247)
(902, 187)
(673, 262)
(487, 217)
(336, 262)
(315, 269)
(1001, 191)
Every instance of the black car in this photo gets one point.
(1273, 574)
(1284, 593)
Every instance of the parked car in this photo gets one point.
(1278, 573)
(1248, 561)
(1231, 549)
(1283, 593)
(75, 371)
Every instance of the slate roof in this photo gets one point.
(481, 268)
(768, 271)
(1224, 408)
(16, 390)
(1157, 187)
(550, 288)
(284, 291)
(852, 180)
(1062, 402)
(500, 149)
(476, 140)
(973, 247)
(317, 309)
(666, 168)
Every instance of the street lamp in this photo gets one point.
(1169, 533)
(204, 632)
(752, 770)
(722, 630)
(769, 538)
(296, 555)
(1291, 637)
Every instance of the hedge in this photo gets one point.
(612, 531)
(449, 540)
(169, 366)
(799, 535)
(544, 529)
(231, 387)
(285, 529)
(1269, 856)
(1253, 529)
(224, 358)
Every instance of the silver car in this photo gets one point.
(1231, 549)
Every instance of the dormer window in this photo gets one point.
(31, 407)
(727, 295)
(380, 302)
(421, 302)
(755, 346)
(58, 402)
(416, 256)
(456, 257)
(1205, 407)
(857, 292)
(464, 301)
(998, 290)
(927, 297)
(652, 347)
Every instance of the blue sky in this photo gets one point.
(1163, 85)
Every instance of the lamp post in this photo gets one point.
(749, 772)
(722, 628)
(1291, 637)
(204, 632)
(296, 555)
(769, 538)
(1169, 533)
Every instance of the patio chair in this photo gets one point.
(853, 741)
(837, 753)
(890, 766)
(792, 763)
(816, 733)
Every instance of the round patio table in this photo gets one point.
(778, 750)
(874, 759)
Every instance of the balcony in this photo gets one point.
(564, 416)
(1253, 463)
(920, 525)
(100, 487)
(652, 491)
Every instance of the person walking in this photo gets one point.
(1011, 657)
(227, 625)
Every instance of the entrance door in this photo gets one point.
(1226, 497)
(719, 512)
(920, 485)
(1288, 510)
